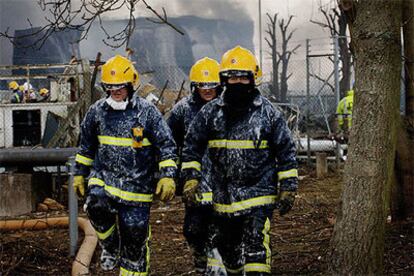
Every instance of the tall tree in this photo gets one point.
(402, 205)
(272, 43)
(337, 23)
(358, 238)
(280, 56)
(284, 56)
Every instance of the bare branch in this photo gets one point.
(61, 15)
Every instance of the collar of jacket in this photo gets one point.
(258, 101)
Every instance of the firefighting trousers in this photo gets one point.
(244, 242)
(199, 235)
(122, 230)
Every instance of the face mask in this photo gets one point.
(239, 95)
(116, 105)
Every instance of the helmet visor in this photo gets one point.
(206, 85)
(236, 73)
(109, 87)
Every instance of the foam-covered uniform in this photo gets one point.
(250, 151)
(198, 218)
(121, 167)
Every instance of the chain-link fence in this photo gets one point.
(44, 105)
(314, 91)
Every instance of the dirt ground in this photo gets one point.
(299, 240)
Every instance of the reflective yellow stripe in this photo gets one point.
(237, 144)
(148, 249)
(287, 174)
(120, 141)
(205, 197)
(96, 181)
(167, 163)
(125, 195)
(257, 267)
(211, 262)
(129, 196)
(191, 165)
(266, 241)
(244, 204)
(126, 272)
(83, 160)
(104, 235)
(236, 270)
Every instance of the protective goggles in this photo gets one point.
(113, 87)
(206, 85)
(236, 73)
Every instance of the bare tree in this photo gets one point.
(285, 56)
(272, 43)
(337, 23)
(358, 238)
(61, 15)
(280, 57)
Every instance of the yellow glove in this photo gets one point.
(165, 188)
(190, 190)
(285, 200)
(78, 184)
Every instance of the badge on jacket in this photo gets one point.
(137, 137)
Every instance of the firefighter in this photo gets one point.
(121, 139)
(251, 149)
(205, 86)
(17, 96)
(44, 95)
(344, 113)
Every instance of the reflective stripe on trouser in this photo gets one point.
(135, 238)
(244, 242)
(133, 228)
(102, 215)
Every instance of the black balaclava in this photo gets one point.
(239, 96)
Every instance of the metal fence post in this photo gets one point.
(308, 101)
(73, 210)
(337, 92)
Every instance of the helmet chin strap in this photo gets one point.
(117, 105)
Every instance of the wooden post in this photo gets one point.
(321, 165)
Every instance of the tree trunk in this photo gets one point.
(402, 205)
(358, 238)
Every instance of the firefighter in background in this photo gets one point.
(17, 96)
(122, 138)
(43, 95)
(251, 150)
(205, 86)
(344, 114)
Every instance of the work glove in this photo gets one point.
(285, 200)
(190, 191)
(165, 189)
(78, 185)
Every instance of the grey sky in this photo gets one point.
(13, 14)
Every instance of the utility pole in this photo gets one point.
(260, 34)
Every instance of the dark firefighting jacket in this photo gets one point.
(249, 151)
(121, 160)
(179, 121)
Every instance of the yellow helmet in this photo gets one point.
(21, 88)
(119, 71)
(13, 85)
(239, 61)
(43, 91)
(205, 72)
